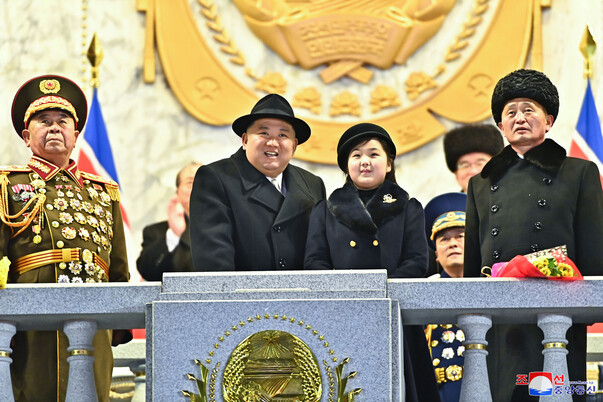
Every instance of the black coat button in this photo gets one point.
(496, 254)
(534, 247)
(494, 187)
(282, 262)
(495, 232)
(538, 225)
(546, 180)
(541, 202)
(277, 229)
(494, 208)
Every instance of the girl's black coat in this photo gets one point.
(387, 233)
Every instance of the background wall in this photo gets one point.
(151, 134)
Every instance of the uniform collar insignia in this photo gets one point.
(47, 170)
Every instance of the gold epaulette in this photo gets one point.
(111, 186)
(15, 168)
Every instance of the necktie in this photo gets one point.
(275, 182)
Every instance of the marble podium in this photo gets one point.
(278, 336)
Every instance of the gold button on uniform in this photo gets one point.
(436, 362)
(352, 243)
(60, 244)
(375, 243)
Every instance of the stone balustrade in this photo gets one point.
(475, 304)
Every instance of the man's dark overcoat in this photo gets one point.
(240, 221)
(155, 258)
(518, 206)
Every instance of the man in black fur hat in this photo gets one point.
(250, 212)
(531, 197)
(468, 148)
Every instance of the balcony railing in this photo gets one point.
(475, 304)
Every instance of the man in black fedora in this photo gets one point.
(250, 212)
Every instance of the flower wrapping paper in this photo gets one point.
(552, 263)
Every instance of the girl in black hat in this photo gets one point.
(371, 222)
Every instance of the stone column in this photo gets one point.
(80, 386)
(139, 370)
(7, 331)
(476, 386)
(554, 327)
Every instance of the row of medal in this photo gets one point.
(449, 336)
(94, 272)
(102, 222)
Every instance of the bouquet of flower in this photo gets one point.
(4, 264)
(552, 263)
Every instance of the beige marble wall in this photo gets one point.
(152, 136)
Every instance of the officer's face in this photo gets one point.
(51, 135)
(269, 145)
(368, 164)
(450, 249)
(468, 166)
(524, 122)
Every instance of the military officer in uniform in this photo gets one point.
(531, 197)
(445, 227)
(58, 225)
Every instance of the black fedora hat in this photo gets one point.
(48, 92)
(354, 134)
(276, 107)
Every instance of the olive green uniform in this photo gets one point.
(59, 226)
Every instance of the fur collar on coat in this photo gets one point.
(548, 156)
(388, 201)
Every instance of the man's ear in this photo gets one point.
(294, 147)
(76, 135)
(244, 140)
(26, 137)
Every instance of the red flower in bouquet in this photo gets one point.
(552, 263)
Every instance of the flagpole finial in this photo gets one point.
(95, 56)
(587, 48)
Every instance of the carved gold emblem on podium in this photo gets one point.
(272, 365)
(399, 64)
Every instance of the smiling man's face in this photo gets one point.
(269, 145)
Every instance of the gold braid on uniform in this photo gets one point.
(7, 218)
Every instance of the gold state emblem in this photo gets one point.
(212, 71)
(344, 34)
(272, 365)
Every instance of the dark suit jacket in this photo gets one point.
(155, 259)
(517, 206)
(240, 221)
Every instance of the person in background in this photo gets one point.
(371, 222)
(251, 211)
(445, 227)
(58, 225)
(166, 245)
(468, 148)
(531, 197)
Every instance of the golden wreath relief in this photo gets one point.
(344, 44)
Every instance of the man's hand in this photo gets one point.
(176, 220)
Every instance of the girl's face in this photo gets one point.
(368, 164)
